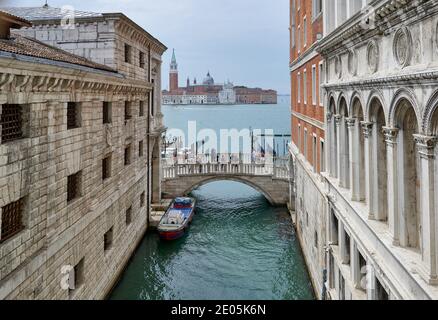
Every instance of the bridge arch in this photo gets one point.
(238, 179)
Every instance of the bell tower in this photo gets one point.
(173, 74)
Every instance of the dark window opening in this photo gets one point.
(11, 219)
(142, 199)
(106, 168)
(127, 155)
(108, 240)
(11, 122)
(74, 186)
(128, 114)
(107, 112)
(128, 50)
(140, 149)
(141, 57)
(73, 115)
(141, 109)
(128, 216)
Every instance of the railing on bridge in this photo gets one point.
(227, 164)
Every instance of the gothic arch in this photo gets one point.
(375, 95)
(356, 96)
(397, 102)
(342, 98)
(427, 126)
(332, 104)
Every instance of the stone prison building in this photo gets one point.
(80, 126)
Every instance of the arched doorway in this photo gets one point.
(378, 179)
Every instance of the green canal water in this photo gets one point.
(238, 247)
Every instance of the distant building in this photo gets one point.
(255, 95)
(227, 95)
(211, 93)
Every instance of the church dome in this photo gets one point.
(208, 80)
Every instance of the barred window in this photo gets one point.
(140, 148)
(11, 219)
(108, 240)
(128, 216)
(107, 112)
(128, 155)
(142, 199)
(128, 50)
(74, 186)
(11, 123)
(73, 115)
(141, 109)
(141, 57)
(106, 167)
(128, 114)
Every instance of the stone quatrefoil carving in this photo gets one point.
(402, 47)
(373, 56)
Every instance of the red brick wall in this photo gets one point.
(308, 109)
(173, 81)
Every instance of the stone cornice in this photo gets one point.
(385, 81)
(313, 122)
(308, 55)
(386, 16)
(18, 76)
(131, 30)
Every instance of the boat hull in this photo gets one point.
(168, 234)
(171, 235)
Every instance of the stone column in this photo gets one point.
(329, 150)
(392, 169)
(356, 274)
(426, 149)
(354, 158)
(367, 128)
(342, 243)
(338, 143)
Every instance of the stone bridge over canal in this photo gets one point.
(271, 178)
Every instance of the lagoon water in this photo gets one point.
(238, 247)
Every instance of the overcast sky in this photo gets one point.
(245, 41)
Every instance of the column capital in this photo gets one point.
(390, 135)
(329, 117)
(351, 122)
(367, 128)
(426, 145)
(338, 119)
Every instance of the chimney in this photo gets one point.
(8, 22)
(188, 82)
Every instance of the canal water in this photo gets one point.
(238, 247)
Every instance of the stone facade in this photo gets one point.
(76, 211)
(381, 125)
(308, 144)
